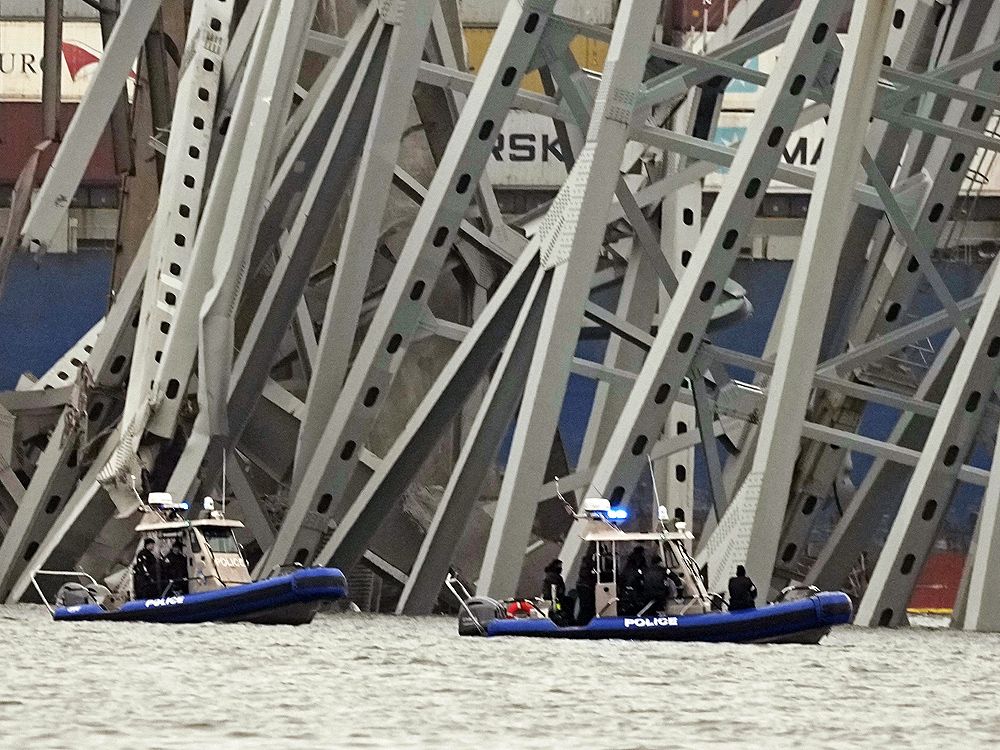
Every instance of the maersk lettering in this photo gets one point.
(800, 152)
(527, 147)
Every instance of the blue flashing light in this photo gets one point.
(184, 505)
(617, 514)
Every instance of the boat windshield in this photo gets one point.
(220, 540)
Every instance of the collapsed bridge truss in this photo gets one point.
(329, 308)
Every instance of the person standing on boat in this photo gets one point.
(742, 592)
(554, 588)
(585, 596)
(632, 577)
(175, 569)
(145, 572)
(658, 587)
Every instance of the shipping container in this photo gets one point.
(32, 10)
(21, 51)
(527, 153)
(20, 131)
(805, 146)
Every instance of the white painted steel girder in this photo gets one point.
(750, 530)
(687, 317)
(321, 491)
(908, 47)
(500, 319)
(478, 454)
(947, 162)
(369, 198)
(233, 207)
(49, 206)
(174, 226)
(569, 240)
(981, 610)
(929, 492)
(313, 171)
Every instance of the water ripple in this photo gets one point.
(362, 681)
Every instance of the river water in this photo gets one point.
(369, 681)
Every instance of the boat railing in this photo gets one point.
(65, 574)
(454, 585)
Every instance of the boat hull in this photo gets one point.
(291, 599)
(801, 621)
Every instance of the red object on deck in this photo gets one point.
(937, 586)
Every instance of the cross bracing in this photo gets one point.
(331, 307)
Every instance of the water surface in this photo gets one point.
(370, 681)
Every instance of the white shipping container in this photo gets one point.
(21, 51)
(805, 146)
(527, 153)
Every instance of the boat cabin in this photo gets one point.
(612, 546)
(186, 556)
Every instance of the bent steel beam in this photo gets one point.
(321, 492)
(751, 527)
(687, 317)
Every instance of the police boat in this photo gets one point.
(613, 611)
(191, 571)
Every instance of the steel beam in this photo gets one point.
(49, 206)
(173, 232)
(354, 88)
(463, 372)
(232, 214)
(687, 317)
(569, 242)
(325, 479)
(928, 494)
(472, 467)
(981, 610)
(364, 222)
(751, 528)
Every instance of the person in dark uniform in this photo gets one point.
(657, 586)
(553, 587)
(632, 577)
(742, 592)
(145, 572)
(586, 599)
(554, 590)
(175, 569)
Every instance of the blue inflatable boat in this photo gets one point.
(800, 621)
(192, 570)
(291, 599)
(601, 606)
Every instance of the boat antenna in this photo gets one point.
(224, 454)
(135, 489)
(569, 508)
(656, 494)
